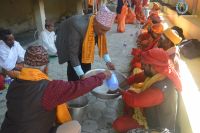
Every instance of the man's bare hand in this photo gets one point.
(110, 66)
(108, 74)
(19, 66)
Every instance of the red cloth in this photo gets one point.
(1, 82)
(59, 91)
(146, 41)
(147, 98)
(136, 62)
(136, 51)
(136, 2)
(153, 44)
(130, 17)
(145, 3)
(124, 123)
(139, 13)
(140, 77)
(160, 61)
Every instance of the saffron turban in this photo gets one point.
(173, 36)
(159, 60)
(157, 28)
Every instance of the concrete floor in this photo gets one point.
(100, 113)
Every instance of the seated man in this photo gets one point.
(32, 98)
(149, 40)
(152, 19)
(169, 41)
(155, 9)
(11, 53)
(48, 38)
(158, 97)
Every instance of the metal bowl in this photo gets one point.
(101, 91)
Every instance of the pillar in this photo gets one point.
(39, 14)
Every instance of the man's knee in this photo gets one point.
(69, 127)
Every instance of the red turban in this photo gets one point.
(160, 61)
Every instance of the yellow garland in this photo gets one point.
(139, 87)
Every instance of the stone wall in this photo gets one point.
(56, 9)
(18, 15)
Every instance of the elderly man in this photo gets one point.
(32, 98)
(47, 38)
(158, 95)
(11, 53)
(169, 41)
(152, 19)
(76, 41)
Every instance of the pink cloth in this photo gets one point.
(105, 17)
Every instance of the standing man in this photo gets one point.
(76, 41)
(48, 38)
(11, 53)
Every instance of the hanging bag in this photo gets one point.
(122, 17)
(130, 17)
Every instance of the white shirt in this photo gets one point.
(10, 56)
(47, 39)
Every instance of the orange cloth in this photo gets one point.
(147, 25)
(148, 41)
(32, 74)
(157, 28)
(121, 18)
(90, 2)
(130, 17)
(62, 112)
(159, 59)
(89, 44)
